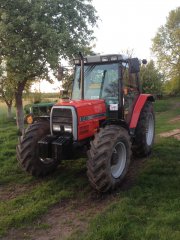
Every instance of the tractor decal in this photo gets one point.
(86, 118)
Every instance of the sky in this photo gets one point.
(127, 25)
(130, 24)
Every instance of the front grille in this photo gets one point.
(61, 117)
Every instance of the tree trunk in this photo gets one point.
(19, 107)
(9, 112)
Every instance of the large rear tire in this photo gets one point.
(27, 150)
(145, 132)
(109, 158)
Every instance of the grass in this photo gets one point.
(149, 210)
(166, 110)
(37, 195)
(3, 113)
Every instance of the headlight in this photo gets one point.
(56, 127)
(68, 128)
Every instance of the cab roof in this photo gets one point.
(102, 58)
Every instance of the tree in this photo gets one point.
(172, 87)
(166, 46)
(67, 80)
(7, 96)
(35, 34)
(6, 90)
(151, 78)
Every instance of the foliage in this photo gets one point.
(48, 97)
(166, 46)
(172, 87)
(67, 80)
(34, 35)
(6, 89)
(151, 79)
(37, 97)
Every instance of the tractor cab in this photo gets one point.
(114, 78)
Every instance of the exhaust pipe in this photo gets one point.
(82, 75)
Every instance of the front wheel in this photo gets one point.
(27, 150)
(109, 158)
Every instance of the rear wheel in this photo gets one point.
(27, 150)
(109, 158)
(145, 131)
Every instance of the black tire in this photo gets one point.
(102, 173)
(145, 132)
(27, 150)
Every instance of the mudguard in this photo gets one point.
(138, 107)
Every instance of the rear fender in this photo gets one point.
(142, 99)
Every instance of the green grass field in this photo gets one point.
(33, 197)
(148, 210)
(151, 209)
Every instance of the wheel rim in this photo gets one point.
(150, 130)
(46, 160)
(118, 160)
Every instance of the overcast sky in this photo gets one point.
(127, 24)
(130, 24)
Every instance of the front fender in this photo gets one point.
(142, 99)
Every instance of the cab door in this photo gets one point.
(130, 91)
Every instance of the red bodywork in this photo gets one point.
(89, 113)
(138, 107)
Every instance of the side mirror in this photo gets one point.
(60, 73)
(144, 61)
(134, 65)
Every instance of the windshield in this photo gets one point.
(100, 82)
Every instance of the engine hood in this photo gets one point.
(85, 107)
(87, 115)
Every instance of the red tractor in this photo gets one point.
(107, 115)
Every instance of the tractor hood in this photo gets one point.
(86, 116)
(85, 107)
